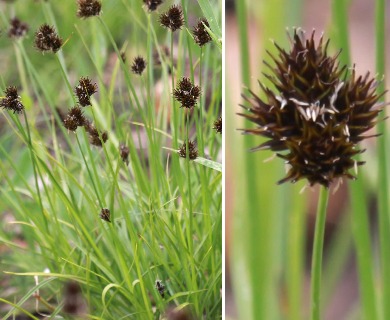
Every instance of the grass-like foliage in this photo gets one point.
(97, 205)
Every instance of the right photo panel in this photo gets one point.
(307, 160)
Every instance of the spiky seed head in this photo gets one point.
(152, 4)
(186, 93)
(18, 29)
(124, 152)
(84, 90)
(218, 125)
(173, 19)
(105, 215)
(160, 288)
(47, 39)
(201, 35)
(96, 138)
(88, 8)
(74, 119)
(192, 150)
(11, 101)
(317, 114)
(139, 65)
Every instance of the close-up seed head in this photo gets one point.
(152, 4)
(124, 152)
(96, 138)
(218, 125)
(173, 19)
(201, 35)
(47, 39)
(186, 93)
(105, 215)
(139, 65)
(193, 151)
(318, 115)
(88, 8)
(18, 29)
(74, 119)
(160, 288)
(84, 90)
(11, 101)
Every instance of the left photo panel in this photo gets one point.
(111, 159)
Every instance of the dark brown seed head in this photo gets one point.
(201, 35)
(47, 39)
(152, 4)
(88, 8)
(192, 151)
(318, 115)
(218, 125)
(105, 214)
(74, 119)
(84, 90)
(172, 19)
(164, 51)
(123, 56)
(160, 287)
(124, 152)
(17, 28)
(11, 101)
(139, 65)
(96, 138)
(187, 93)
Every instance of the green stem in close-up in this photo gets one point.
(383, 143)
(318, 246)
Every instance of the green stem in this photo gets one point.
(384, 223)
(317, 253)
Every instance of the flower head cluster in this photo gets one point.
(124, 153)
(187, 93)
(11, 101)
(47, 39)
(84, 90)
(152, 4)
(74, 119)
(218, 125)
(88, 8)
(18, 28)
(201, 35)
(192, 151)
(105, 214)
(160, 288)
(319, 114)
(173, 19)
(139, 65)
(96, 137)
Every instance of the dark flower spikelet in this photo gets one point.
(218, 125)
(84, 90)
(96, 138)
(201, 35)
(152, 4)
(18, 29)
(160, 288)
(74, 119)
(11, 101)
(88, 8)
(186, 93)
(173, 19)
(124, 153)
(318, 116)
(192, 150)
(139, 65)
(105, 215)
(47, 39)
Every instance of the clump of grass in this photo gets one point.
(121, 220)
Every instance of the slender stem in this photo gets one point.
(383, 189)
(316, 265)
